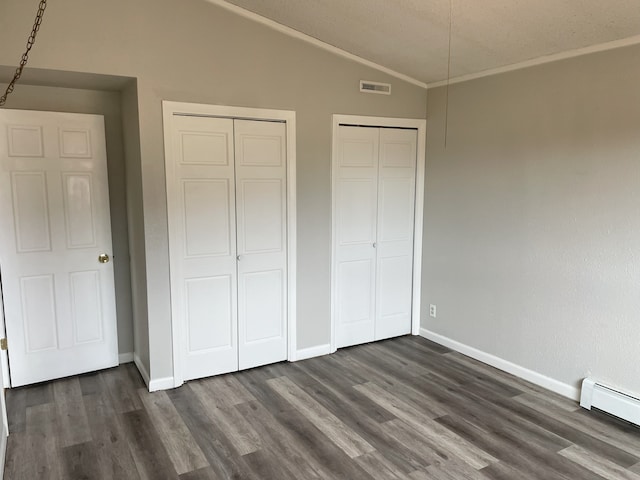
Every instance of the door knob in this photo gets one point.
(103, 258)
(375, 245)
(239, 257)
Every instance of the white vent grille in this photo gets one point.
(375, 87)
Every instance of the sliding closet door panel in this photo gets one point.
(260, 163)
(396, 203)
(201, 187)
(356, 187)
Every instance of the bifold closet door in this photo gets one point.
(395, 222)
(202, 213)
(355, 234)
(226, 190)
(261, 192)
(374, 220)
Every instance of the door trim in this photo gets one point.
(169, 109)
(421, 126)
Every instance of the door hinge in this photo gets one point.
(3, 344)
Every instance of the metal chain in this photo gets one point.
(25, 56)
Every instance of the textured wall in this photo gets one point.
(189, 50)
(532, 217)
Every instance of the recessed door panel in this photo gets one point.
(393, 296)
(396, 209)
(86, 308)
(209, 313)
(75, 143)
(205, 147)
(355, 302)
(357, 223)
(262, 296)
(78, 209)
(260, 150)
(206, 217)
(260, 210)
(31, 212)
(37, 295)
(25, 141)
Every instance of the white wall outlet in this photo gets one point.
(432, 310)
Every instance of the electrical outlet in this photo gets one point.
(432, 310)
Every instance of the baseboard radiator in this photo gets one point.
(611, 401)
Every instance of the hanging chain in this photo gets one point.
(25, 55)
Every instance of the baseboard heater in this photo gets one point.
(611, 401)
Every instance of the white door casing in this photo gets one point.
(377, 241)
(54, 207)
(258, 287)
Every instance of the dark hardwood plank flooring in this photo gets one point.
(402, 409)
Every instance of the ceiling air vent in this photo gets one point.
(375, 87)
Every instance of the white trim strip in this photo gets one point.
(311, 352)
(314, 41)
(165, 383)
(141, 368)
(578, 52)
(125, 358)
(504, 365)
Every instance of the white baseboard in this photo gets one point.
(157, 383)
(141, 368)
(165, 383)
(534, 377)
(125, 358)
(311, 352)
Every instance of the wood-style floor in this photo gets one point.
(400, 409)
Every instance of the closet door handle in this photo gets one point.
(239, 257)
(375, 245)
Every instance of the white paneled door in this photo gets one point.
(374, 201)
(55, 245)
(226, 190)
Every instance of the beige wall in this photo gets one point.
(107, 104)
(532, 217)
(190, 50)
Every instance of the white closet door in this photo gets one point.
(201, 193)
(261, 182)
(396, 202)
(355, 213)
(59, 297)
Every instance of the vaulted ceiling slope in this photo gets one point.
(412, 36)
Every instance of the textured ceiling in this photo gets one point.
(411, 36)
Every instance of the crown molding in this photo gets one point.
(578, 52)
(314, 41)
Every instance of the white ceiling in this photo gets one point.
(411, 36)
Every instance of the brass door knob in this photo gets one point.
(103, 258)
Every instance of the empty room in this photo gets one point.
(362, 239)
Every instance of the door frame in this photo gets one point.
(421, 126)
(288, 117)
